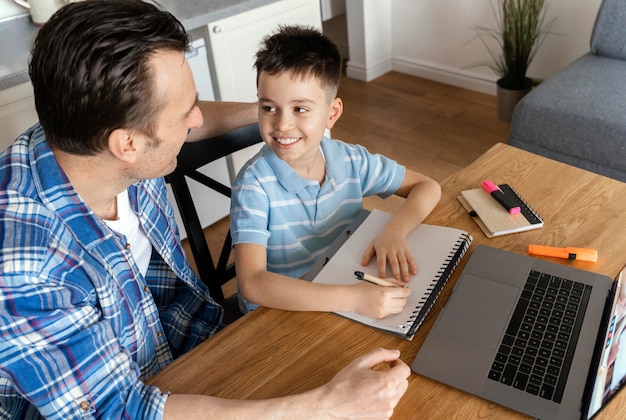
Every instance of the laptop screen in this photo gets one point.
(612, 371)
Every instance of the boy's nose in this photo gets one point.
(283, 121)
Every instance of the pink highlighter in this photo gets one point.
(500, 197)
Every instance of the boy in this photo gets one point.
(302, 189)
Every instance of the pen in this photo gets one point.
(570, 253)
(500, 197)
(381, 282)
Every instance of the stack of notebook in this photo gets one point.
(492, 218)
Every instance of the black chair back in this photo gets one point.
(193, 156)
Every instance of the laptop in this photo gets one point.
(541, 338)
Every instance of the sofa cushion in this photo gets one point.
(577, 116)
(609, 32)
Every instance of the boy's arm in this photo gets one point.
(422, 194)
(273, 290)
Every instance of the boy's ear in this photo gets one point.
(124, 145)
(336, 109)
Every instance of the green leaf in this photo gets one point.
(521, 28)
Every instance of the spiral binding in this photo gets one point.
(436, 287)
(528, 212)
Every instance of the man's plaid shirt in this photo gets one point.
(80, 327)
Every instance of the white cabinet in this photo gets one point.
(17, 112)
(234, 42)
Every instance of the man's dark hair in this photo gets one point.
(90, 70)
(302, 51)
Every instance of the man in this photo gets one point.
(95, 293)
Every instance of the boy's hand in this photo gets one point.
(390, 246)
(379, 301)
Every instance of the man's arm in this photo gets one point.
(63, 357)
(222, 117)
(357, 391)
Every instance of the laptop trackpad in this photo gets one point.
(479, 310)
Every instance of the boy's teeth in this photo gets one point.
(287, 140)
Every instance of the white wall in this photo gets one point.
(433, 39)
(369, 38)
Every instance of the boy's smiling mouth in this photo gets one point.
(285, 141)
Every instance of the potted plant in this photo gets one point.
(521, 29)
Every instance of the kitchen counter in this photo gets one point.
(18, 35)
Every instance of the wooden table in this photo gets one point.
(271, 353)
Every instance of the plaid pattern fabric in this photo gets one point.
(80, 327)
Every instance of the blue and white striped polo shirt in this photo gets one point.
(295, 218)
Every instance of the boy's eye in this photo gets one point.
(268, 108)
(300, 109)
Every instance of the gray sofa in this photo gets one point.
(578, 116)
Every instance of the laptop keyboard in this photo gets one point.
(536, 352)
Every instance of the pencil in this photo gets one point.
(375, 280)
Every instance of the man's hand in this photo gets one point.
(360, 392)
(368, 388)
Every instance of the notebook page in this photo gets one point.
(431, 247)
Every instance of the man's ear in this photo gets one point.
(124, 144)
(336, 109)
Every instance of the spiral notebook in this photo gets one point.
(492, 218)
(436, 250)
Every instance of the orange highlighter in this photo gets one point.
(569, 253)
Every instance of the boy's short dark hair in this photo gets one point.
(302, 51)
